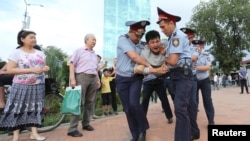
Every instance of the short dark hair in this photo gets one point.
(99, 56)
(23, 34)
(152, 34)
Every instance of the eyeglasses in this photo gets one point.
(138, 34)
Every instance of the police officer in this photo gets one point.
(178, 60)
(128, 84)
(193, 105)
(203, 66)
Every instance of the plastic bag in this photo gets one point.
(72, 101)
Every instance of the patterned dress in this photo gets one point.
(26, 98)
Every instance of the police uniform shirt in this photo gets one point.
(203, 60)
(194, 52)
(178, 43)
(125, 65)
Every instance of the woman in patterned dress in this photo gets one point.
(26, 98)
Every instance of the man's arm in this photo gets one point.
(172, 59)
(72, 74)
(103, 66)
(136, 58)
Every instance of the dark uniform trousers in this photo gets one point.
(193, 108)
(205, 87)
(243, 83)
(156, 85)
(88, 85)
(129, 89)
(182, 85)
(169, 86)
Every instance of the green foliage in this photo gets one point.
(2, 63)
(224, 25)
(55, 59)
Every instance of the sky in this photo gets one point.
(64, 23)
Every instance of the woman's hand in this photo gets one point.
(36, 70)
(45, 68)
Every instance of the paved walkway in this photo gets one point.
(230, 108)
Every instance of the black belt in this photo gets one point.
(176, 69)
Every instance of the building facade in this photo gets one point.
(116, 13)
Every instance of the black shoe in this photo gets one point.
(142, 136)
(170, 121)
(133, 139)
(247, 92)
(88, 128)
(195, 137)
(211, 123)
(241, 93)
(75, 133)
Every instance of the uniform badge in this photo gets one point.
(176, 42)
(143, 23)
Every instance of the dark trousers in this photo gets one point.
(113, 95)
(182, 86)
(205, 87)
(129, 89)
(193, 108)
(156, 85)
(88, 85)
(243, 83)
(169, 87)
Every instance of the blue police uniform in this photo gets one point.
(205, 86)
(178, 43)
(128, 84)
(193, 105)
(181, 76)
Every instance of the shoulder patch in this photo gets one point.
(176, 42)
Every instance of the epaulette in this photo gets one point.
(205, 54)
(126, 35)
(174, 34)
(143, 43)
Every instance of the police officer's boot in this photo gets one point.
(142, 136)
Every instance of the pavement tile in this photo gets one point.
(230, 108)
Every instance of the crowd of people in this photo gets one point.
(141, 68)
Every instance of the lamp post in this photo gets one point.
(26, 21)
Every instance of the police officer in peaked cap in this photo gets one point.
(193, 105)
(203, 66)
(178, 60)
(128, 84)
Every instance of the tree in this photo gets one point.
(224, 25)
(55, 59)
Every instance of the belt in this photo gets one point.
(176, 69)
(89, 75)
